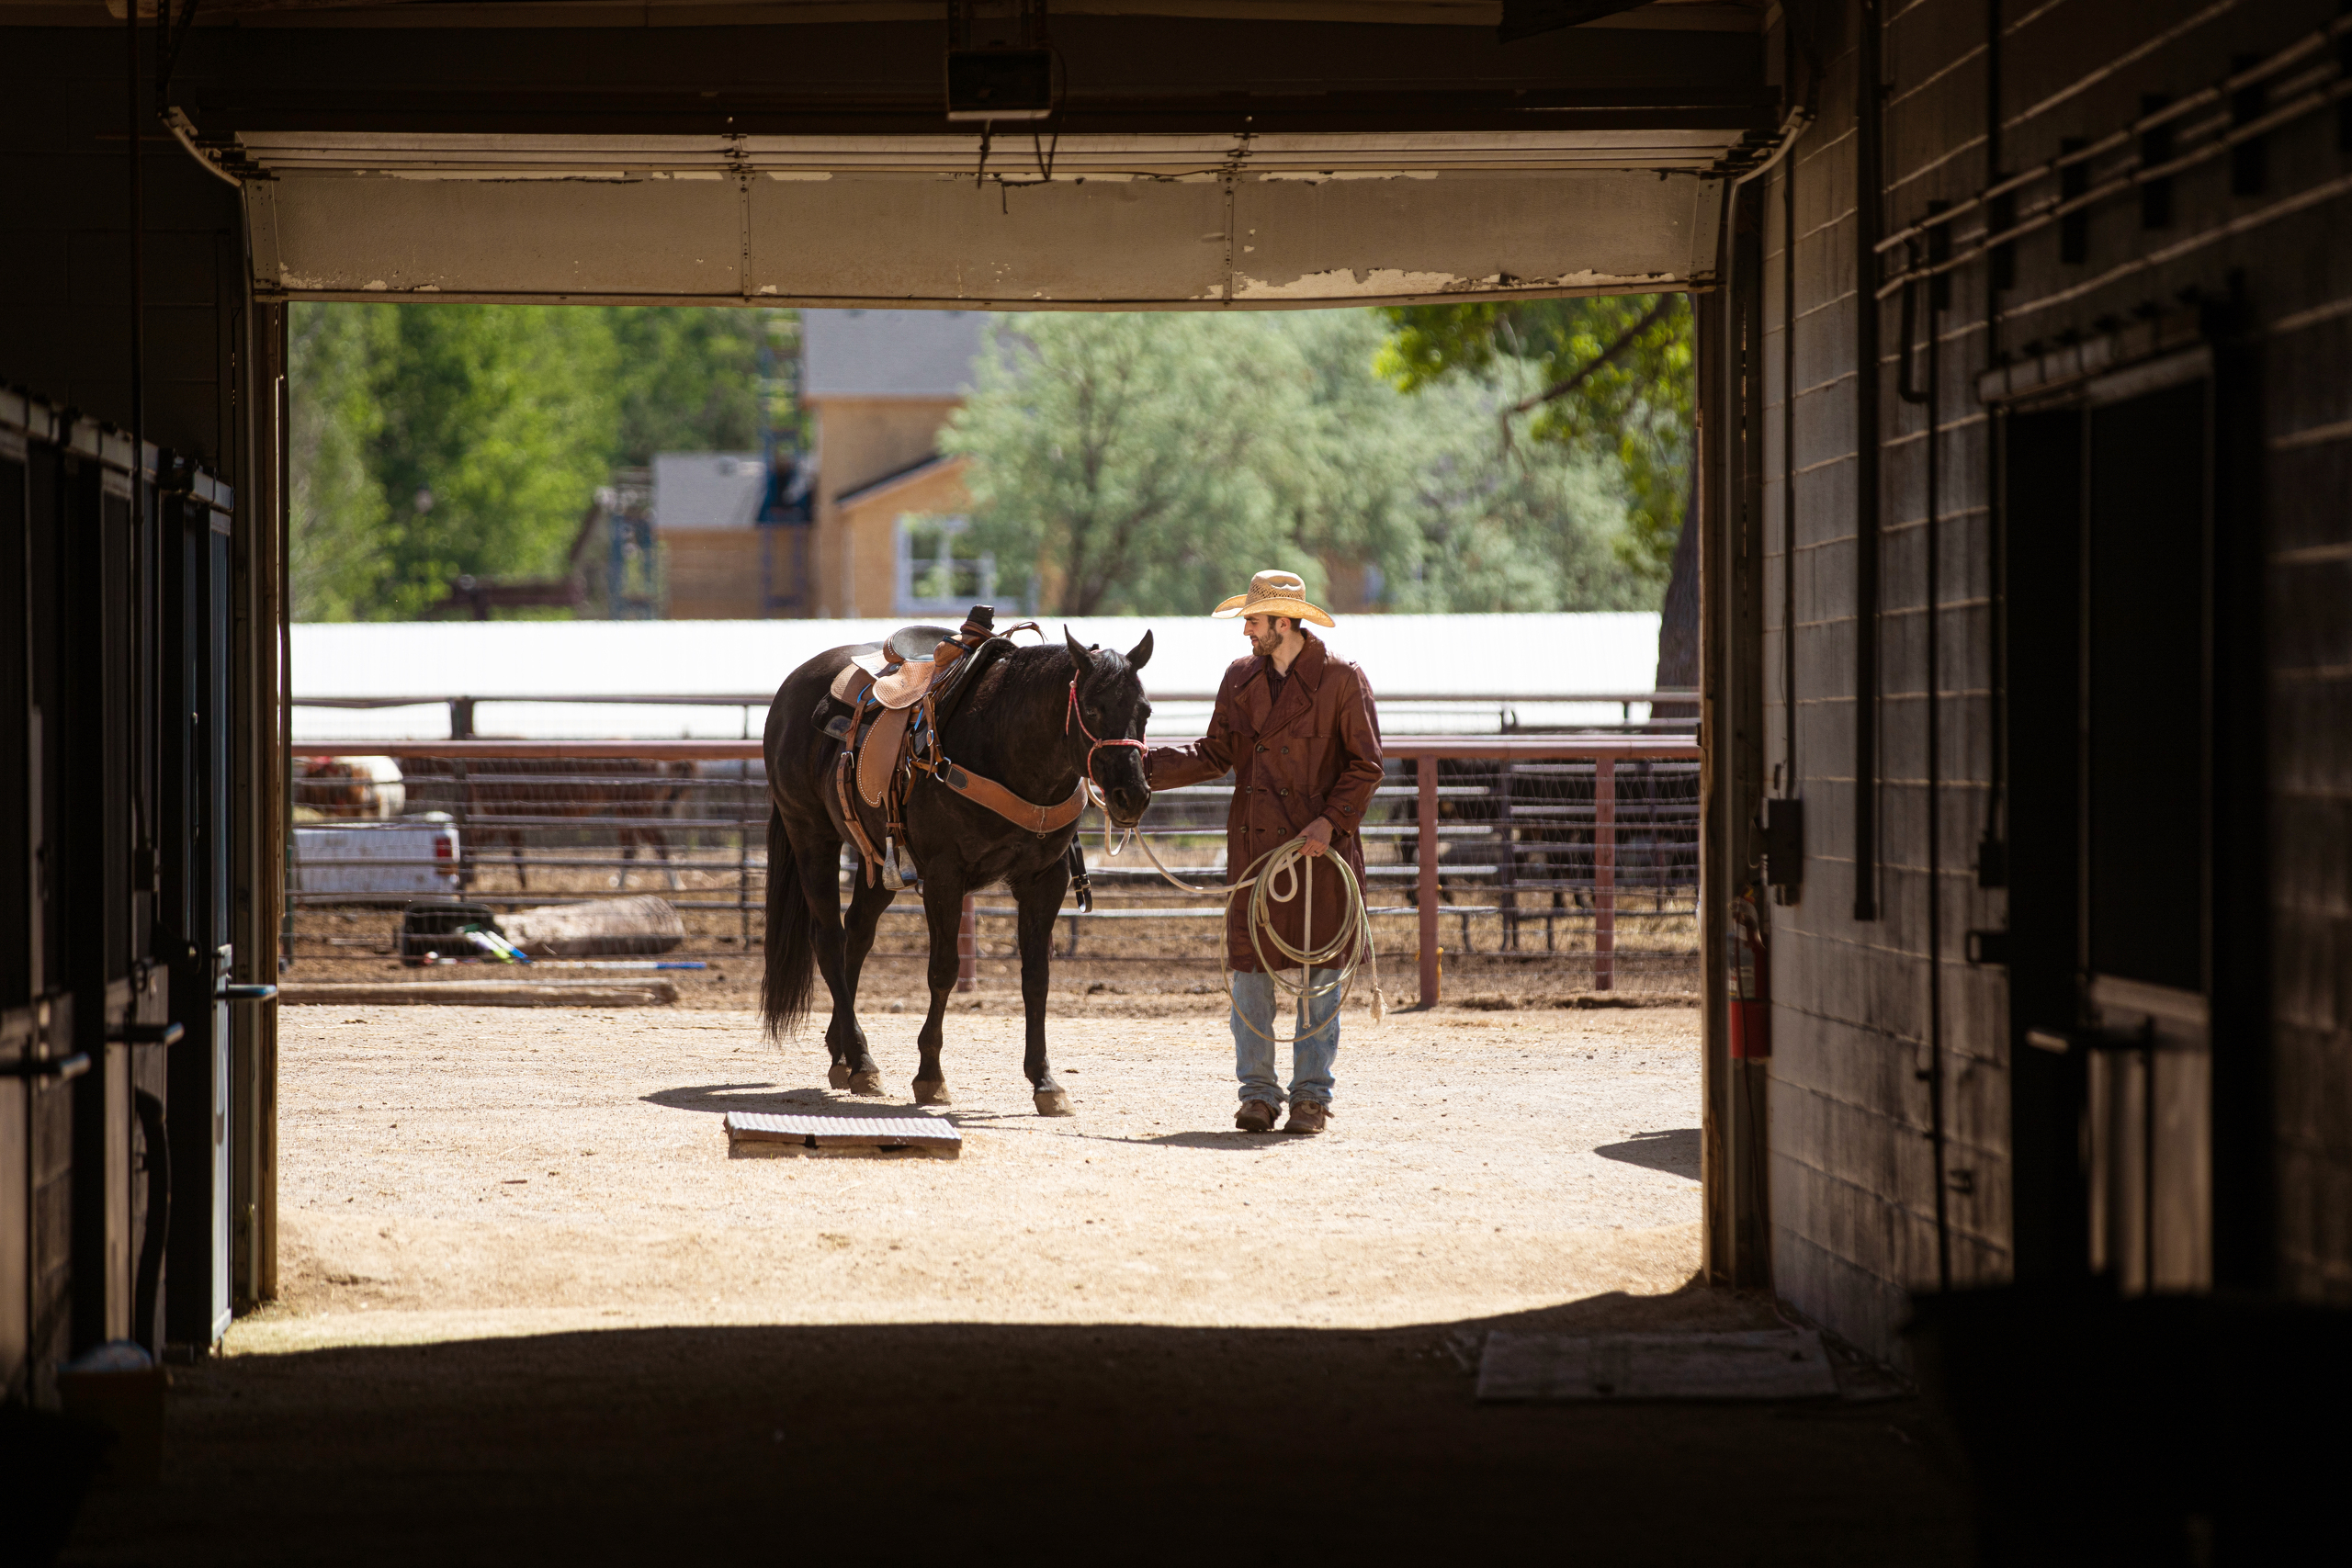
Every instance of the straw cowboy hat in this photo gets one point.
(1272, 593)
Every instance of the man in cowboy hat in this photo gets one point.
(1296, 724)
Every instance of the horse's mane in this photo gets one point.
(1033, 673)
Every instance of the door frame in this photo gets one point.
(2065, 1069)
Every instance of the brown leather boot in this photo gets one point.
(1307, 1116)
(1255, 1116)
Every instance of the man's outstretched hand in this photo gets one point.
(1318, 836)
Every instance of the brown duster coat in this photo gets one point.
(1315, 752)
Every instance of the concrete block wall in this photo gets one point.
(1853, 1177)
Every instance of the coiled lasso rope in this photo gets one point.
(1275, 878)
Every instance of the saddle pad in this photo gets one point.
(851, 684)
(878, 755)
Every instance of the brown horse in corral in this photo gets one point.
(335, 787)
(503, 797)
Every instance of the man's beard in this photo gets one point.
(1267, 646)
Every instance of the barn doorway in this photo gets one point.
(1534, 1139)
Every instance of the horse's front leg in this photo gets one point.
(1040, 895)
(943, 908)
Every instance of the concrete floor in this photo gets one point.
(1132, 1334)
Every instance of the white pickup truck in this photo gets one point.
(416, 858)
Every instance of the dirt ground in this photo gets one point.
(1655, 956)
(533, 1312)
(481, 1170)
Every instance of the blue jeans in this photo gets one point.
(1310, 1055)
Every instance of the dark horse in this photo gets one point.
(1033, 722)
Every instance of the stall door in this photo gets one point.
(18, 927)
(195, 807)
(2146, 824)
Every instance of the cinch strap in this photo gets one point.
(1039, 820)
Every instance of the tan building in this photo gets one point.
(886, 510)
(890, 509)
(718, 563)
(890, 512)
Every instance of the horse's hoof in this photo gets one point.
(933, 1093)
(867, 1082)
(1054, 1102)
(838, 1075)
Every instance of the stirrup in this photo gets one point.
(899, 873)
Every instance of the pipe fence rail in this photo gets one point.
(1664, 711)
(1568, 859)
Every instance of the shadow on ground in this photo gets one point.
(1675, 1150)
(1119, 1442)
(720, 1098)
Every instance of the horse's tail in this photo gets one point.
(791, 971)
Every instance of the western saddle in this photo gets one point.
(887, 708)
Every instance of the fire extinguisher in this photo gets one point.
(1751, 982)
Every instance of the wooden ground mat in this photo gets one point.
(754, 1133)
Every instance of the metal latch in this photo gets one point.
(2063, 1042)
(58, 1067)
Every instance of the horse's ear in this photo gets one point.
(1140, 655)
(1080, 663)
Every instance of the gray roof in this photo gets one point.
(708, 490)
(921, 465)
(889, 354)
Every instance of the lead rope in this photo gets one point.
(1275, 878)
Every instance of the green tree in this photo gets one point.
(1423, 488)
(335, 507)
(1614, 374)
(498, 426)
(433, 441)
(1524, 530)
(1149, 462)
(1127, 461)
(686, 380)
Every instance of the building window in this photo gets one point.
(939, 571)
